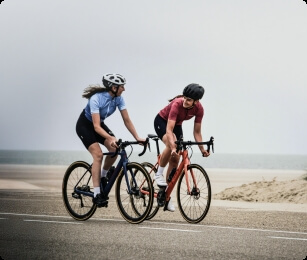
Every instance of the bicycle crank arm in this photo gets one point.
(161, 197)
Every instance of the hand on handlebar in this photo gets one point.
(174, 153)
(113, 142)
(205, 153)
(141, 141)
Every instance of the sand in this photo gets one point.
(228, 185)
(293, 191)
(269, 186)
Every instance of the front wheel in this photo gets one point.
(151, 169)
(78, 176)
(136, 204)
(194, 194)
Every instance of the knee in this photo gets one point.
(109, 147)
(97, 156)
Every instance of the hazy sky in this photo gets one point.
(250, 56)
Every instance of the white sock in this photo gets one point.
(96, 191)
(160, 171)
(104, 173)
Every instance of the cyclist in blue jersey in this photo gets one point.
(91, 129)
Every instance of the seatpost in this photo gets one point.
(157, 145)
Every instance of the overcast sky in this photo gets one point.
(250, 56)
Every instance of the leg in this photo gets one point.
(166, 157)
(109, 161)
(173, 163)
(99, 198)
(97, 155)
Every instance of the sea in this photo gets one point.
(215, 160)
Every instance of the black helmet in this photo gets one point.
(193, 91)
(113, 79)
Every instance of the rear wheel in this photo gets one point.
(134, 206)
(78, 176)
(194, 203)
(151, 169)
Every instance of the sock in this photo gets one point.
(96, 191)
(160, 171)
(104, 173)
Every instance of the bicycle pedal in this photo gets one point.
(75, 195)
(103, 205)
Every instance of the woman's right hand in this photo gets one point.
(174, 153)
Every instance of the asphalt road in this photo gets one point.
(34, 224)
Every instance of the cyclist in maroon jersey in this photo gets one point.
(168, 126)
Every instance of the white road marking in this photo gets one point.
(49, 221)
(32, 215)
(165, 223)
(172, 229)
(290, 238)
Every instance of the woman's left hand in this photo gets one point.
(205, 154)
(141, 141)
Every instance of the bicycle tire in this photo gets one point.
(151, 169)
(79, 206)
(134, 208)
(194, 207)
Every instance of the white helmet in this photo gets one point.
(113, 79)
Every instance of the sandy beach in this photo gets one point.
(247, 188)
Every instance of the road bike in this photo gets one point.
(193, 183)
(133, 191)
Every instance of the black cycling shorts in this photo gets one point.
(86, 132)
(160, 127)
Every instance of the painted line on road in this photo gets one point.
(290, 238)
(49, 221)
(32, 215)
(171, 229)
(233, 228)
(260, 230)
(3, 218)
(164, 223)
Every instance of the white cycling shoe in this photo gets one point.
(170, 206)
(160, 180)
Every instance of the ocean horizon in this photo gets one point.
(215, 160)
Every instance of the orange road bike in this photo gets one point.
(193, 184)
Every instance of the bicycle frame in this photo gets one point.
(121, 164)
(183, 166)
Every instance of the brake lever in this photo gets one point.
(212, 143)
(145, 146)
(117, 149)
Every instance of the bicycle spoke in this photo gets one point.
(194, 205)
(78, 206)
(134, 205)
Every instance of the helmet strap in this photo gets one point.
(114, 92)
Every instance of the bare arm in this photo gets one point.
(198, 138)
(128, 123)
(170, 139)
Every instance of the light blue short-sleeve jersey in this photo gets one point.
(104, 104)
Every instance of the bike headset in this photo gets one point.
(113, 79)
(194, 91)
